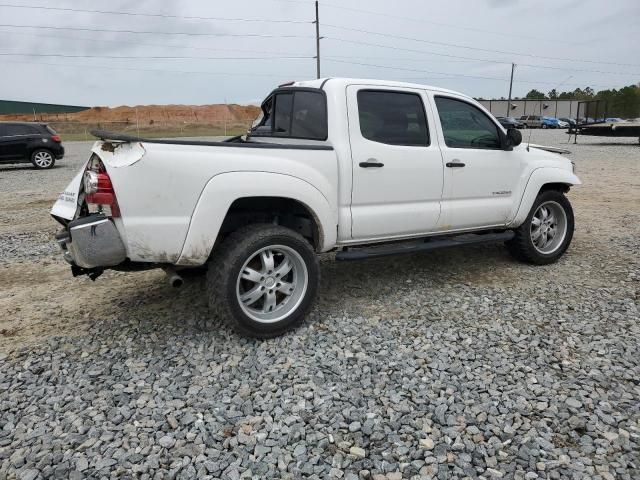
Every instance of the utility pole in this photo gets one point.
(513, 66)
(317, 22)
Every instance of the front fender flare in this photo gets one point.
(223, 189)
(539, 178)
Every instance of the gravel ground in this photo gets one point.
(451, 364)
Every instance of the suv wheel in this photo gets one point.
(263, 280)
(547, 232)
(42, 159)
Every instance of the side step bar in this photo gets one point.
(423, 245)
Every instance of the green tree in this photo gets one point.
(623, 103)
(535, 95)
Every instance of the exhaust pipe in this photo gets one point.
(174, 279)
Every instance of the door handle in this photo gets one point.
(455, 164)
(371, 163)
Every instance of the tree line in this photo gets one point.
(624, 102)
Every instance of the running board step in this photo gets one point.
(423, 245)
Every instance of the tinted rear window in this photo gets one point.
(309, 116)
(282, 120)
(296, 114)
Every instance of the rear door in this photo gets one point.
(13, 142)
(397, 166)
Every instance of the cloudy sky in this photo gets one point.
(198, 51)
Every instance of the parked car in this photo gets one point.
(509, 122)
(364, 168)
(614, 120)
(531, 121)
(570, 121)
(23, 142)
(562, 124)
(549, 122)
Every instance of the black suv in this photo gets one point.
(22, 142)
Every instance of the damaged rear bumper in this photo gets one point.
(92, 243)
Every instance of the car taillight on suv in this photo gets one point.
(99, 194)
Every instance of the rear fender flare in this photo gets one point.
(223, 189)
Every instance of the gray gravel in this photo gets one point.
(455, 364)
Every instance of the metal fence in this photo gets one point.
(554, 108)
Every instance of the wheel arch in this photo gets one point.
(286, 211)
(543, 179)
(276, 198)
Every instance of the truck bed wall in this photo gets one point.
(160, 186)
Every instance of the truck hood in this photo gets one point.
(550, 149)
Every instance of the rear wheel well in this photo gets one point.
(283, 211)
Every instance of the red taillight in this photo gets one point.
(56, 138)
(98, 191)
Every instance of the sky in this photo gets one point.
(238, 51)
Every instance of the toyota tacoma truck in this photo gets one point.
(364, 168)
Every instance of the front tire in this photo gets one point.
(263, 280)
(547, 231)
(43, 159)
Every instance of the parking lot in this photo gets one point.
(450, 364)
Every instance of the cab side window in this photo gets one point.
(466, 126)
(394, 118)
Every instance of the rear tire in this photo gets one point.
(43, 159)
(547, 231)
(263, 280)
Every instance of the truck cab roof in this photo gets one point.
(333, 83)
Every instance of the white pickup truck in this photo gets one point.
(362, 167)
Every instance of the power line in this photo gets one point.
(505, 52)
(148, 57)
(415, 70)
(155, 15)
(459, 57)
(440, 24)
(471, 59)
(413, 50)
(489, 61)
(153, 70)
(159, 45)
(576, 69)
(141, 32)
(446, 73)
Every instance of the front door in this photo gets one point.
(397, 165)
(481, 179)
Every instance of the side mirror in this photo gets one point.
(514, 138)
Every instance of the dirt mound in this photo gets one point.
(153, 114)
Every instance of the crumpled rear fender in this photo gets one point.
(223, 189)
